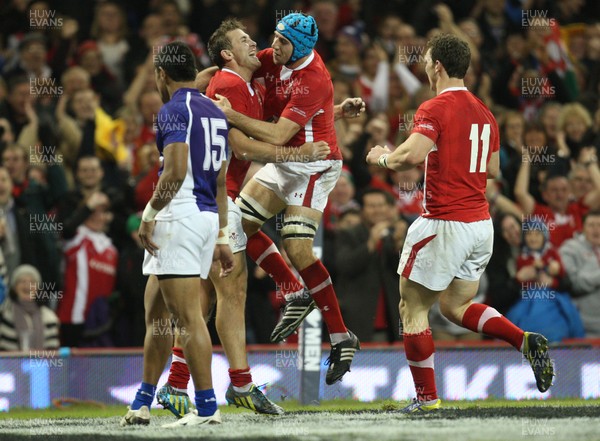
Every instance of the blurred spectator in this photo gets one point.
(376, 132)
(31, 59)
(576, 123)
(80, 204)
(103, 81)
(74, 79)
(408, 189)
(346, 63)
(90, 277)
(175, 28)
(504, 290)
(109, 29)
(130, 327)
(15, 241)
(349, 218)
(562, 216)
(366, 263)
(341, 199)
(512, 141)
(18, 110)
(543, 307)
(539, 264)
(326, 16)
(98, 134)
(148, 159)
(38, 194)
(549, 117)
(373, 83)
(24, 325)
(581, 257)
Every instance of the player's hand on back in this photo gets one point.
(375, 153)
(145, 233)
(225, 257)
(313, 151)
(353, 107)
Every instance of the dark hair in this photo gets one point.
(389, 198)
(534, 126)
(452, 52)
(177, 60)
(14, 81)
(219, 40)
(552, 175)
(595, 212)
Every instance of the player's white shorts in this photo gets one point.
(436, 251)
(301, 184)
(186, 245)
(237, 237)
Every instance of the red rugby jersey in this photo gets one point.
(246, 98)
(465, 135)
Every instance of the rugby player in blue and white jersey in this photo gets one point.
(179, 230)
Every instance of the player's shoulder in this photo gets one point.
(314, 74)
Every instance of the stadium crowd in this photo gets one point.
(78, 108)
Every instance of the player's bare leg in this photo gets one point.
(231, 327)
(157, 342)
(181, 295)
(173, 395)
(299, 227)
(258, 204)
(456, 304)
(415, 303)
(157, 346)
(231, 306)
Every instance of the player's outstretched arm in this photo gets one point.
(407, 155)
(222, 251)
(522, 195)
(278, 133)
(248, 149)
(349, 108)
(169, 183)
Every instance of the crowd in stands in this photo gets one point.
(78, 105)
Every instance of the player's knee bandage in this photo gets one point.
(252, 210)
(299, 227)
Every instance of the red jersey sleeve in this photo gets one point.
(305, 101)
(427, 121)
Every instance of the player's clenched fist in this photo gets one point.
(314, 151)
(375, 153)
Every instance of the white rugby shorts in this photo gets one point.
(436, 251)
(237, 237)
(186, 245)
(301, 184)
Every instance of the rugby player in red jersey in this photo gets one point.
(448, 247)
(299, 97)
(234, 52)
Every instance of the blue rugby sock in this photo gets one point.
(144, 396)
(206, 402)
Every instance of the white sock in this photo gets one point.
(245, 388)
(338, 337)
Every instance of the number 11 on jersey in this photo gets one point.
(485, 143)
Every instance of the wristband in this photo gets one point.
(223, 237)
(382, 161)
(149, 213)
